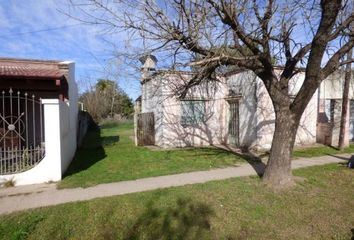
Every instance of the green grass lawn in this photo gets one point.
(321, 207)
(320, 151)
(110, 155)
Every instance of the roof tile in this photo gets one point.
(20, 70)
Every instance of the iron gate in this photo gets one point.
(234, 123)
(21, 131)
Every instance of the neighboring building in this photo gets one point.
(236, 110)
(38, 119)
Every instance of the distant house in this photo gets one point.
(236, 110)
(38, 119)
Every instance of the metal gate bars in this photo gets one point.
(21, 132)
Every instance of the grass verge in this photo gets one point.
(321, 151)
(240, 208)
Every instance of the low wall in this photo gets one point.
(85, 122)
(68, 128)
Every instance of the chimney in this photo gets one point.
(149, 63)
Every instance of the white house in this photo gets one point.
(236, 110)
(38, 119)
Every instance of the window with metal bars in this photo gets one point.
(192, 112)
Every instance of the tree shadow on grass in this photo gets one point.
(91, 151)
(340, 157)
(254, 160)
(345, 162)
(109, 140)
(186, 219)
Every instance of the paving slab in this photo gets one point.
(42, 195)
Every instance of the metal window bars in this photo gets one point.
(22, 143)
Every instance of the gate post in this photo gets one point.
(52, 137)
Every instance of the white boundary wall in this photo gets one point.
(60, 146)
(60, 127)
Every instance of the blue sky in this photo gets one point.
(37, 29)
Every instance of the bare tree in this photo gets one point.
(106, 99)
(252, 35)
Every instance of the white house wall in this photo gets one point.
(332, 87)
(245, 84)
(331, 91)
(256, 113)
(214, 130)
(306, 133)
(169, 131)
(151, 101)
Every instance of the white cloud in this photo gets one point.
(36, 29)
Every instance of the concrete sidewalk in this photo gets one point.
(34, 196)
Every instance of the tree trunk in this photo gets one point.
(345, 102)
(278, 174)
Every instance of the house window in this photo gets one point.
(193, 112)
